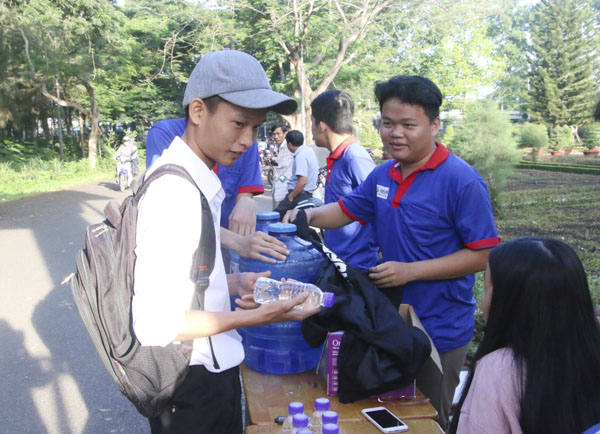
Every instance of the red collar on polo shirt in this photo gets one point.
(438, 157)
(339, 151)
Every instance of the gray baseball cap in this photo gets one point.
(238, 78)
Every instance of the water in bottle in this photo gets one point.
(293, 409)
(280, 348)
(316, 423)
(267, 290)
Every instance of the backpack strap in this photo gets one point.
(204, 257)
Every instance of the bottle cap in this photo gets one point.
(267, 215)
(328, 299)
(331, 428)
(295, 408)
(300, 420)
(281, 228)
(321, 404)
(304, 431)
(330, 417)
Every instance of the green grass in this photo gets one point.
(37, 176)
(565, 206)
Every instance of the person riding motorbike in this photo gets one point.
(126, 155)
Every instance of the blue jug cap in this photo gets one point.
(281, 228)
(267, 215)
(328, 299)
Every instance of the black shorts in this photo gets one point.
(206, 402)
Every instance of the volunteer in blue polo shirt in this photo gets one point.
(348, 165)
(433, 221)
(240, 182)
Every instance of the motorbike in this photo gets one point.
(269, 163)
(123, 172)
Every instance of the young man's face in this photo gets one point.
(278, 135)
(319, 136)
(406, 131)
(223, 136)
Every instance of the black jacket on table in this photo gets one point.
(379, 352)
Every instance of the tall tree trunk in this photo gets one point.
(94, 115)
(60, 124)
(44, 121)
(69, 121)
(81, 133)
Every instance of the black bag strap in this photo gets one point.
(204, 257)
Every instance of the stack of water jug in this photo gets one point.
(280, 348)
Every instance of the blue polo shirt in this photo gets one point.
(437, 210)
(347, 167)
(245, 176)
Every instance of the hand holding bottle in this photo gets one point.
(280, 310)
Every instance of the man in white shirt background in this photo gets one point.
(305, 171)
(227, 96)
(285, 162)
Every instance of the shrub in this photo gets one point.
(590, 135)
(534, 136)
(561, 137)
(367, 134)
(485, 140)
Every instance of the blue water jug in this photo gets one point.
(280, 348)
(263, 219)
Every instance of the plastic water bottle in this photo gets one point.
(300, 422)
(316, 418)
(293, 409)
(330, 417)
(267, 290)
(331, 428)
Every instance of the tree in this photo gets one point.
(563, 63)
(508, 31)
(534, 136)
(561, 137)
(485, 140)
(448, 42)
(70, 48)
(590, 135)
(317, 38)
(169, 37)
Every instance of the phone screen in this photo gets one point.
(385, 419)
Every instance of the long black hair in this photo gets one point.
(541, 309)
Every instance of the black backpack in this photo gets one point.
(103, 288)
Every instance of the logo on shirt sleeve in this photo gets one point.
(382, 192)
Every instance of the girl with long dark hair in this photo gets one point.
(537, 369)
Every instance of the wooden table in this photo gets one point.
(415, 426)
(268, 396)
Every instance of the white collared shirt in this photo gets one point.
(283, 172)
(168, 232)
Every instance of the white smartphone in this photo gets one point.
(384, 420)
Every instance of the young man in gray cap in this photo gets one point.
(226, 99)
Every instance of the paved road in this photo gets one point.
(52, 379)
